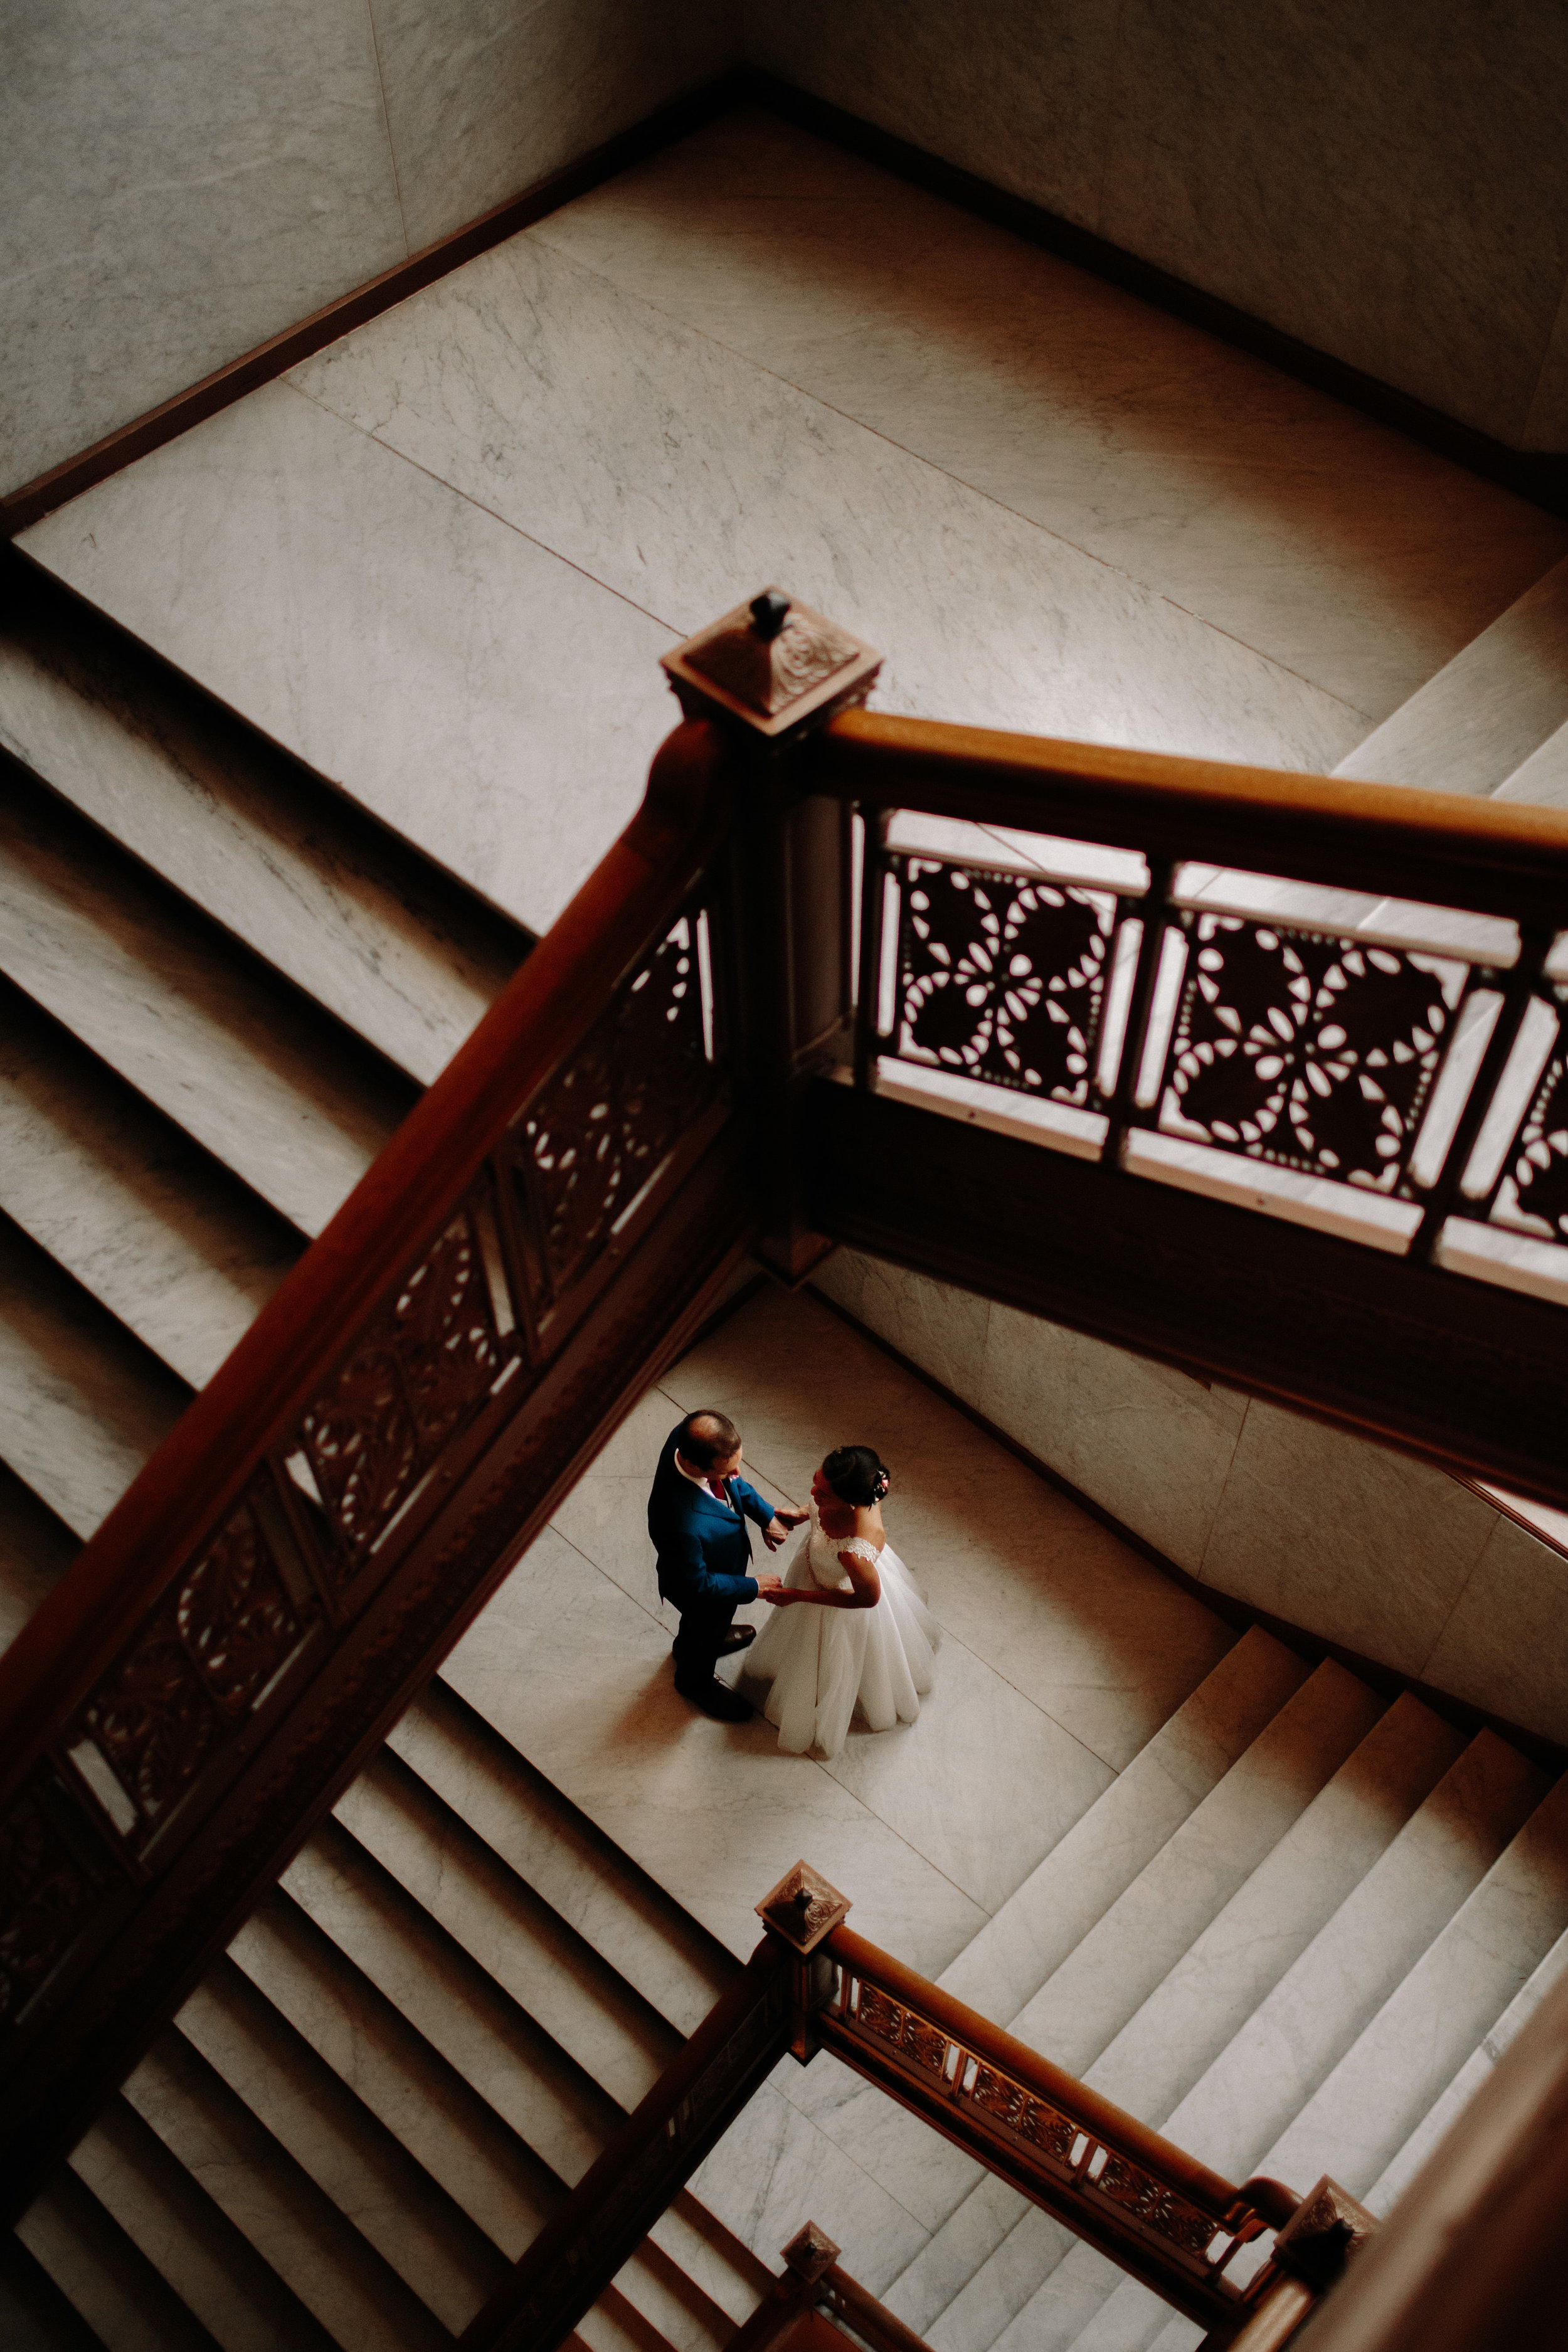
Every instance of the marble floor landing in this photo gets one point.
(439, 561)
(1063, 1652)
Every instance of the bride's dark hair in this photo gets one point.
(856, 1476)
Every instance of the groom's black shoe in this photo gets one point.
(739, 1637)
(714, 1699)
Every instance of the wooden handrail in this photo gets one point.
(1503, 857)
(846, 2298)
(1165, 2217)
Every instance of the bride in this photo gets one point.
(850, 1629)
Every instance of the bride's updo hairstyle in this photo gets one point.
(856, 1476)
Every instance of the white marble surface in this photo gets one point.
(1109, 1975)
(1474, 724)
(1542, 780)
(271, 855)
(180, 182)
(481, 696)
(1504, 1647)
(82, 1404)
(521, 1819)
(273, 2203)
(422, 2235)
(438, 2117)
(1363, 2114)
(113, 2287)
(1069, 2308)
(1331, 545)
(1397, 2176)
(677, 472)
(1119, 1835)
(483, 99)
(118, 1197)
(1227, 1971)
(1248, 2097)
(195, 2246)
(252, 1076)
(514, 1937)
(987, 2302)
(434, 1984)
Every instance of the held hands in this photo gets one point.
(770, 1588)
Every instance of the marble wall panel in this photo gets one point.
(1148, 1443)
(484, 96)
(1505, 1647)
(1345, 1537)
(1014, 92)
(178, 180)
(1384, 183)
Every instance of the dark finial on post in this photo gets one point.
(803, 1908)
(773, 663)
(769, 613)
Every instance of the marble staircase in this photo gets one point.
(222, 985)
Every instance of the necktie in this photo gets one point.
(716, 1487)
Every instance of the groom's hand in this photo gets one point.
(769, 1587)
(778, 1528)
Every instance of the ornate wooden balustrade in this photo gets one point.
(1065, 1026)
(811, 1984)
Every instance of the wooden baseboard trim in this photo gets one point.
(1540, 476)
(1314, 1648)
(281, 353)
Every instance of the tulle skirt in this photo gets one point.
(824, 1663)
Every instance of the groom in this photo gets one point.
(696, 1517)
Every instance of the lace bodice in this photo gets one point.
(825, 1549)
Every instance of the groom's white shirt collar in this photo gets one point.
(698, 1480)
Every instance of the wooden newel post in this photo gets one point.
(1328, 2228)
(802, 1912)
(808, 2257)
(773, 672)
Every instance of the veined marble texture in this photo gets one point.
(178, 180)
(683, 476)
(263, 850)
(477, 693)
(1333, 545)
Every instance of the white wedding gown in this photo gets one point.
(823, 1663)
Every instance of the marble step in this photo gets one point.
(82, 1402)
(1399, 2066)
(1397, 2176)
(175, 1246)
(1087, 2001)
(335, 2139)
(35, 2316)
(1085, 1871)
(627, 1919)
(264, 1082)
(1247, 2099)
(674, 2306)
(1228, 1971)
(206, 2264)
(1224, 1975)
(289, 2223)
(613, 2325)
(1542, 780)
(1131, 2319)
(35, 1549)
(1475, 724)
(435, 2112)
(1109, 1973)
(399, 951)
(447, 1997)
(122, 2303)
(586, 2007)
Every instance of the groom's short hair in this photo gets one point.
(706, 1437)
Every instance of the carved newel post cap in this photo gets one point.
(811, 2252)
(803, 1908)
(773, 663)
(1326, 2228)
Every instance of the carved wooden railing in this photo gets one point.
(811, 1984)
(334, 1507)
(1263, 1074)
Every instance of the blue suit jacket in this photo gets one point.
(704, 1550)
